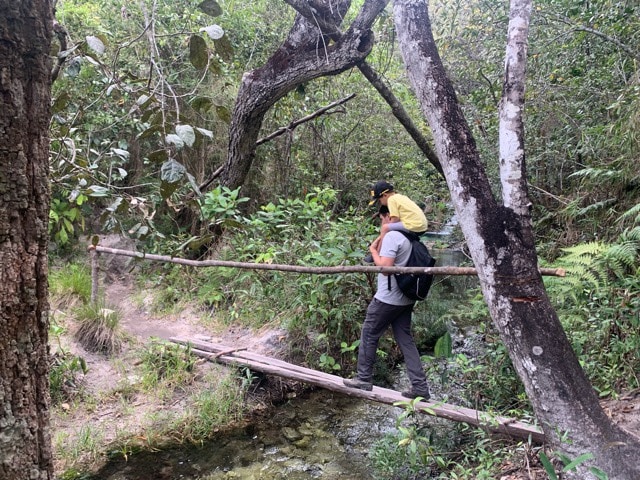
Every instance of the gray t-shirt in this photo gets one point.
(394, 245)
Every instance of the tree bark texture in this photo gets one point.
(25, 76)
(306, 54)
(501, 243)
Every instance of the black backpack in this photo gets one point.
(416, 285)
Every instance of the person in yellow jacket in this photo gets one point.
(404, 213)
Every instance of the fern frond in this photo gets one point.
(633, 212)
(598, 174)
(594, 207)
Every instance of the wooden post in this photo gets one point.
(94, 274)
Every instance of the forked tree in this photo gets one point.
(25, 36)
(502, 244)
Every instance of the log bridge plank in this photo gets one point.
(242, 357)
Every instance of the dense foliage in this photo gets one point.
(141, 113)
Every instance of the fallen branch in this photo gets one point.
(558, 272)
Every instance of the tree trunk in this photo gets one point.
(307, 53)
(25, 75)
(501, 242)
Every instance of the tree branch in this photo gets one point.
(300, 121)
(557, 272)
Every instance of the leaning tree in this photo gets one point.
(25, 36)
(499, 233)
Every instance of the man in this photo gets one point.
(389, 307)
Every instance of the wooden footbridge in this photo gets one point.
(273, 366)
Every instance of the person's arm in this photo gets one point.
(379, 261)
(385, 223)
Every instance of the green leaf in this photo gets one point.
(223, 113)
(577, 461)
(158, 156)
(210, 7)
(224, 48)
(172, 171)
(202, 104)
(167, 189)
(198, 52)
(187, 134)
(61, 102)
(443, 347)
(548, 466)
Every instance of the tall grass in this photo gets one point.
(99, 329)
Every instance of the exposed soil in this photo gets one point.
(110, 406)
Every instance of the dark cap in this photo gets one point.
(378, 189)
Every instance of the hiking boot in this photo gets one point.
(368, 258)
(416, 393)
(357, 383)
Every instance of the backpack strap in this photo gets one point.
(411, 236)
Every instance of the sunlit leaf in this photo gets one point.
(214, 31)
(74, 67)
(210, 7)
(205, 132)
(95, 44)
(121, 153)
(98, 191)
(173, 139)
(172, 171)
(187, 134)
(198, 52)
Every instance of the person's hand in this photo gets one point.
(375, 245)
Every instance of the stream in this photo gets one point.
(321, 434)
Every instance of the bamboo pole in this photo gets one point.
(557, 272)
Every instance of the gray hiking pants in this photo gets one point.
(379, 317)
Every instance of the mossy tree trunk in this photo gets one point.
(25, 36)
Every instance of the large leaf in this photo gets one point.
(167, 189)
(224, 48)
(187, 134)
(210, 7)
(201, 104)
(158, 156)
(198, 52)
(173, 139)
(172, 171)
(61, 102)
(223, 113)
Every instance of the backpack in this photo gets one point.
(416, 285)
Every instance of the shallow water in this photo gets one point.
(321, 434)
